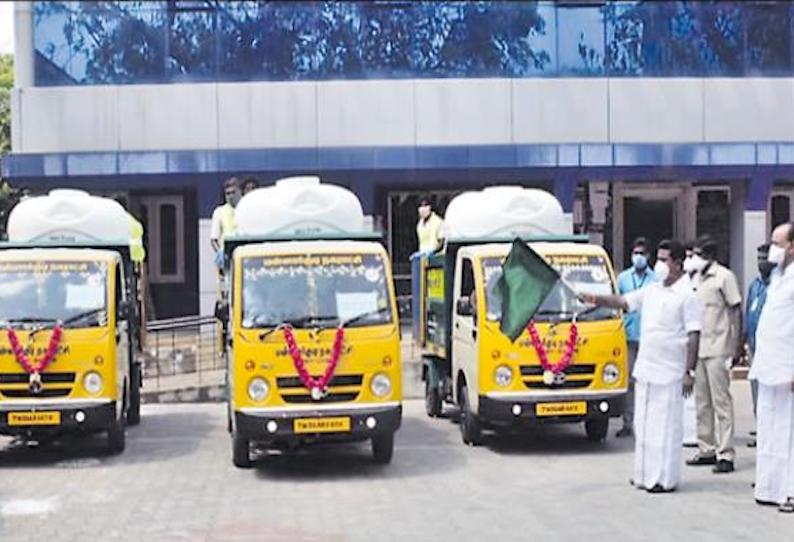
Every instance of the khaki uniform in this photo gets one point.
(718, 290)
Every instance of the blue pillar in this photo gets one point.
(565, 192)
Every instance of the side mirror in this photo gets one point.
(124, 310)
(463, 307)
(222, 311)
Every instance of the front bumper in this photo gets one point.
(99, 416)
(497, 410)
(252, 423)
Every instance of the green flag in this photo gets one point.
(525, 282)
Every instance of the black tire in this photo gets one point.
(134, 410)
(383, 448)
(241, 452)
(433, 403)
(597, 429)
(117, 437)
(470, 430)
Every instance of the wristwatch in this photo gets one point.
(691, 373)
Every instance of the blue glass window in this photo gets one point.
(164, 41)
(580, 37)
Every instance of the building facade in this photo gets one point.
(662, 119)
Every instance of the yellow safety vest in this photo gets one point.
(226, 216)
(137, 251)
(429, 233)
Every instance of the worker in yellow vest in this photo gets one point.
(428, 229)
(223, 222)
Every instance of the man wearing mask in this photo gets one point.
(773, 369)
(665, 369)
(720, 345)
(756, 297)
(634, 278)
(428, 229)
(223, 223)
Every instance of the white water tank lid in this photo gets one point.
(299, 206)
(504, 211)
(68, 215)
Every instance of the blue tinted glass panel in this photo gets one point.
(768, 38)
(192, 51)
(580, 37)
(99, 43)
(138, 42)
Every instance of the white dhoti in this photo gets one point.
(658, 433)
(774, 467)
(690, 421)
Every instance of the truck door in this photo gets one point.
(465, 334)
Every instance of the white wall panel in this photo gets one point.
(174, 117)
(749, 109)
(366, 113)
(559, 110)
(75, 119)
(655, 110)
(463, 112)
(266, 115)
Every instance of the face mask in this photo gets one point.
(640, 261)
(777, 255)
(424, 211)
(661, 270)
(698, 263)
(688, 268)
(233, 199)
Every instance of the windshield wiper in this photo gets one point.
(81, 316)
(294, 322)
(362, 316)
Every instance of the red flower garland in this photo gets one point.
(543, 355)
(317, 386)
(43, 363)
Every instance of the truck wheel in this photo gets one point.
(470, 430)
(433, 404)
(134, 410)
(597, 428)
(383, 448)
(117, 437)
(241, 452)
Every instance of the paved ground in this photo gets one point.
(176, 482)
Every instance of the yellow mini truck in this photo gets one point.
(500, 385)
(69, 320)
(313, 343)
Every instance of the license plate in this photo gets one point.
(561, 409)
(322, 425)
(34, 418)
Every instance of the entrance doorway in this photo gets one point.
(649, 218)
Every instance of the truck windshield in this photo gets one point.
(315, 290)
(585, 273)
(42, 293)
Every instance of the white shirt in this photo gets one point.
(773, 362)
(669, 314)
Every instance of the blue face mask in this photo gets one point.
(640, 261)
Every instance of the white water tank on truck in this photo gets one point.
(504, 211)
(299, 206)
(66, 215)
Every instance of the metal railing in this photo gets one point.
(182, 352)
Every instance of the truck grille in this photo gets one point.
(577, 376)
(47, 391)
(342, 388)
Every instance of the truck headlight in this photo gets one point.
(258, 389)
(92, 382)
(610, 374)
(503, 376)
(380, 385)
